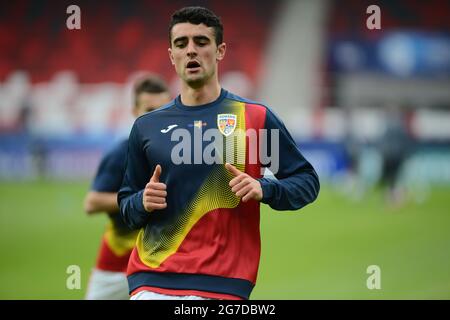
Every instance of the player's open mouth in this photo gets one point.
(193, 66)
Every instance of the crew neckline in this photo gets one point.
(180, 105)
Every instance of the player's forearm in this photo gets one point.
(291, 193)
(136, 177)
(298, 183)
(132, 209)
(96, 202)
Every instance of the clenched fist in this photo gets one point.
(154, 196)
(244, 186)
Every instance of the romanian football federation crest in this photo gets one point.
(226, 123)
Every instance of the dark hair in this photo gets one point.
(197, 15)
(151, 84)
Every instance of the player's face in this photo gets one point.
(150, 101)
(194, 53)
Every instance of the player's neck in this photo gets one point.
(199, 96)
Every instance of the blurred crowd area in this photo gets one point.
(65, 82)
(351, 96)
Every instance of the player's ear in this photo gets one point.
(171, 56)
(221, 48)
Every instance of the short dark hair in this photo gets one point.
(197, 15)
(150, 83)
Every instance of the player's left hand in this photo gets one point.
(244, 186)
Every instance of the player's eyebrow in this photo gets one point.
(202, 37)
(196, 38)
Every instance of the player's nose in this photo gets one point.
(191, 50)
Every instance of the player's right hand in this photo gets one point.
(154, 196)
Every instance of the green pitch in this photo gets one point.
(323, 251)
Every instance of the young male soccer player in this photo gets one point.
(108, 279)
(199, 216)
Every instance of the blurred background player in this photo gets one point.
(108, 279)
(395, 146)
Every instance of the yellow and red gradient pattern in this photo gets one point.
(120, 243)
